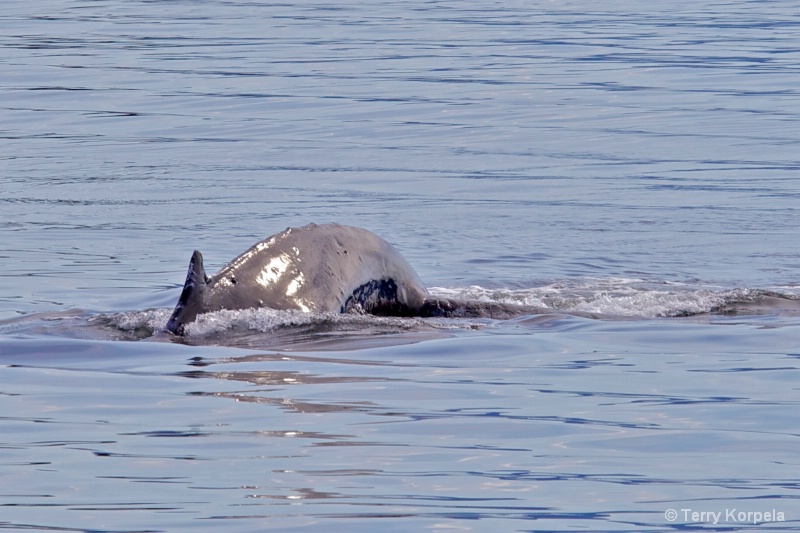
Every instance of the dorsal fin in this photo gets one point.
(191, 302)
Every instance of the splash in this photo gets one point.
(603, 299)
(629, 298)
(269, 321)
(607, 298)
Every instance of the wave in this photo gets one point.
(634, 298)
(607, 298)
(604, 299)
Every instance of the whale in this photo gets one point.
(320, 268)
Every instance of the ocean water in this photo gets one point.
(629, 169)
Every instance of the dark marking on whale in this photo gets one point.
(321, 268)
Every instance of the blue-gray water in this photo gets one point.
(631, 162)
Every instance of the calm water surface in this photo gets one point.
(633, 163)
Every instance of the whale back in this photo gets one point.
(314, 268)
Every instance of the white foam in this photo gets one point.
(268, 320)
(150, 319)
(263, 320)
(620, 297)
(611, 297)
